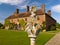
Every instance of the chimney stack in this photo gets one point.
(43, 8)
(17, 11)
(49, 12)
(27, 8)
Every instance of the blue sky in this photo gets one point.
(8, 7)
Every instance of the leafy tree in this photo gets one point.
(1, 25)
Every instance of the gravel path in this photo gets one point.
(55, 40)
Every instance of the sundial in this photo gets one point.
(32, 28)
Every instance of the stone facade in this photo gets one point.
(41, 16)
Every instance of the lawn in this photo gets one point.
(8, 37)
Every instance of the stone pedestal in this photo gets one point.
(32, 39)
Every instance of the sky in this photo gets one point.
(8, 7)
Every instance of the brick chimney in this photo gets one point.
(17, 11)
(49, 12)
(27, 8)
(43, 8)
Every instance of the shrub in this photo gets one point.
(58, 25)
(43, 26)
(11, 26)
(52, 28)
(22, 23)
(7, 22)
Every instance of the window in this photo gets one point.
(38, 18)
(25, 19)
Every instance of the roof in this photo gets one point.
(50, 17)
(25, 14)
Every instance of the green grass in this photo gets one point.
(43, 37)
(8, 37)
(55, 31)
(13, 38)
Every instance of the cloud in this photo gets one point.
(18, 3)
(23, 7)
(12, 2)
(21, 4)
(56, 8)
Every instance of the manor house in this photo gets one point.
(41, 16)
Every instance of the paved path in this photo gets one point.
(55, 40)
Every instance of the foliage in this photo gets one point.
(7, 22)
(58, 25)
(52, 28)
(43, 26)
(1, 25)
(22, 23)
(11, 26)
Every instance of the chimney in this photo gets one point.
(17, 11)
(27, 8)
(49, 12)
(43, 8)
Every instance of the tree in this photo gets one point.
(1, 25)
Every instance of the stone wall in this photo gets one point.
(40, 19)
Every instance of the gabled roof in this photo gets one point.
(25, 14)
(50, 17)
(18, 15)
